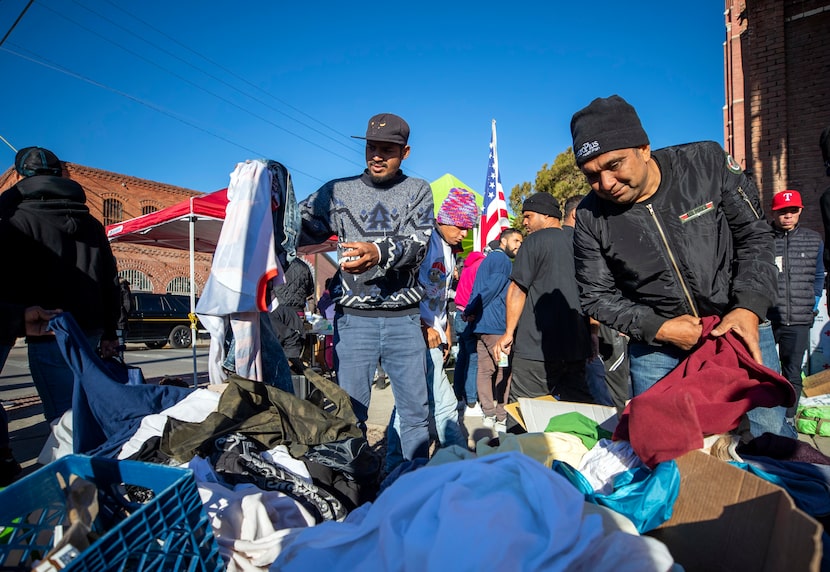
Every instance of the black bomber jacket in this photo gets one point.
(698, 246)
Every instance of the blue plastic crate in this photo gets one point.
(168, 532)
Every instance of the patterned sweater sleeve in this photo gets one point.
(408, 248)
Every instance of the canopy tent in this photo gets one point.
(194, 225)
(441, 188)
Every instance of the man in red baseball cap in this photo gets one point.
(798, 256)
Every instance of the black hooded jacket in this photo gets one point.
(698, 246)
(55, 254)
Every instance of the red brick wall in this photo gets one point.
(782, 63)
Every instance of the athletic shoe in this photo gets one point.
(500, 426)
(474, 410)
(489, 421)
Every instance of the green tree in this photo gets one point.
(563, 180)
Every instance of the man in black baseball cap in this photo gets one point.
(668, 237)
(384, 220)
(387, 137)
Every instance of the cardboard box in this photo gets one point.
(817, 384)
(728, 519)
(724, 518)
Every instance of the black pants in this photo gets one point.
(792, 345)
(613, 349)
(290, 331)
(564, 380)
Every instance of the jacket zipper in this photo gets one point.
(673, 262)
(748, 202)
(785, 268)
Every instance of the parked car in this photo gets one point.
(159, 319)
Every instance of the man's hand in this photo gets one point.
(432, 337)
(683, 331)
(745, 325)
(503, 346)
(36, 319)
(367, 253)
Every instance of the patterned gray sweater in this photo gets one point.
(397, 216)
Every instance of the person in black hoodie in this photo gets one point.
(58, 257)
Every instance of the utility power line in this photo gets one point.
(40, 60)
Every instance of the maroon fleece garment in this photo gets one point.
(706, 394)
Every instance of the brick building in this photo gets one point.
(777, 86)
(112, 197)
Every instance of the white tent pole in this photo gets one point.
(193, 330)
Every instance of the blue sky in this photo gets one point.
(179, 92)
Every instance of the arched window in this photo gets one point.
(138, 280)
(179, 285)
(147, 209)
(113, 211)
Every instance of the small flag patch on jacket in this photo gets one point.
(696, 212)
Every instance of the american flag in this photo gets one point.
(494, 214)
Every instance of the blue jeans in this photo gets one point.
(466, 362)
(52, 376)
(359, 342)
(650, 364)
(443, 410)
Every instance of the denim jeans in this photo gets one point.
(4, 417)
(52, 376)
(650, 364)
(466, 362)
(443, 412)
(359, 342)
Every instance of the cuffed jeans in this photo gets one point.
(649, 364)
(466, 362)
(359, 342)
(52, 376)
(443, 412)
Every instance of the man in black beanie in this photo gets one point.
(552, 337)
(666, 238)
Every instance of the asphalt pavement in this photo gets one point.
(28, 429)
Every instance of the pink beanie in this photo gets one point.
(458, 209)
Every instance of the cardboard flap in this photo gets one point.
(728, 519)
(817, 384)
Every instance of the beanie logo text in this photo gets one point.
(588, 148)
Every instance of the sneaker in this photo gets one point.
(500, 426)
(489, 421)
(381, 382)
(474, 410)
